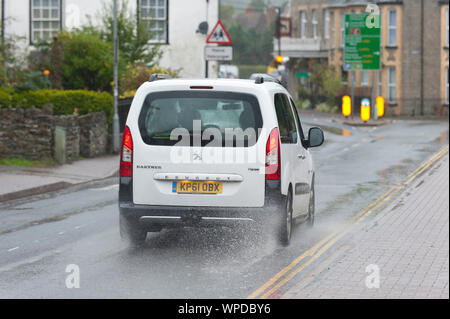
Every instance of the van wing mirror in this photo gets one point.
(315, 137)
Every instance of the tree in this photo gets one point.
(258, 5)
(252, 46)
(134, 37)
(226, 14)
(12, 61)
(325, 81)
(87, 61)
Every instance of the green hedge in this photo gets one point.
(63, 101)
(246, 70)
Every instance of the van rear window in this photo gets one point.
(212, 118)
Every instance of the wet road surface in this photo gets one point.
(39, 239)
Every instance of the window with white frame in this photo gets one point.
(303, 22)
(364, 78)
(315, 23)
(45, 19)
(326, 23)
(392, 85)
(333, 30)
(392, 27)
(154, 12)
(342, 38)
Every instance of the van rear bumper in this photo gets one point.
(173, 216)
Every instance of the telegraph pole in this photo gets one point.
(116, 85)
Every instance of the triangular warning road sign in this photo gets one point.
(219, 35)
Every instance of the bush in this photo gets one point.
(324, 107)
(304, 104)
(246, 70)
(87, 62)
(137, 74)
(64, 101)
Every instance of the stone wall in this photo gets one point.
(70, 125)
(26, 133)
(93, 135)
(30, 133)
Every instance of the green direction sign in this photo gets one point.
(362, 42)
(302, 75)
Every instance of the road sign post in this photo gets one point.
(362, 45)
(218, 35)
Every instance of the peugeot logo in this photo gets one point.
(197, 156)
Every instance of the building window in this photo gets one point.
(303, 22)
(326, 23)
(392, 85)
(45, 19)
(342, 38)
(446, 86)
(154, 12)
(392, 27)
(315, 23)
(333, 30)
(364, 78)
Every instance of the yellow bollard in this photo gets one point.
(380, 106)
(346, 106)
(365, 110)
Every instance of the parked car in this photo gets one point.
(180, 166)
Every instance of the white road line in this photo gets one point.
(60, 233)
(12, 249)
(346, 149)
(355, 145)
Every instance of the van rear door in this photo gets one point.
(199, 148)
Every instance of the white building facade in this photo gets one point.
(176, 23)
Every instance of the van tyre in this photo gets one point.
(131, 231)
(285, 229)
(311, 206)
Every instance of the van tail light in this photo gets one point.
(273, 163)
(126, 155)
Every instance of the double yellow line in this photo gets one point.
(286, 274)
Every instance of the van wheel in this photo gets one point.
(285, 230)
(311, 206)
(131, 231)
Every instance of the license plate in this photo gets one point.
(193, 187)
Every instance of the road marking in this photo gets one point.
(355, 145)
(323, 245)
(12, 249)
(60, 233)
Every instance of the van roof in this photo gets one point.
(211, 82)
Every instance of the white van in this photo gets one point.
(214, 152)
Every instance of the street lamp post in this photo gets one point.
(116, 85)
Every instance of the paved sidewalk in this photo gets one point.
(18, 182)
(408, 241)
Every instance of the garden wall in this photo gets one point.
(30, 133)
